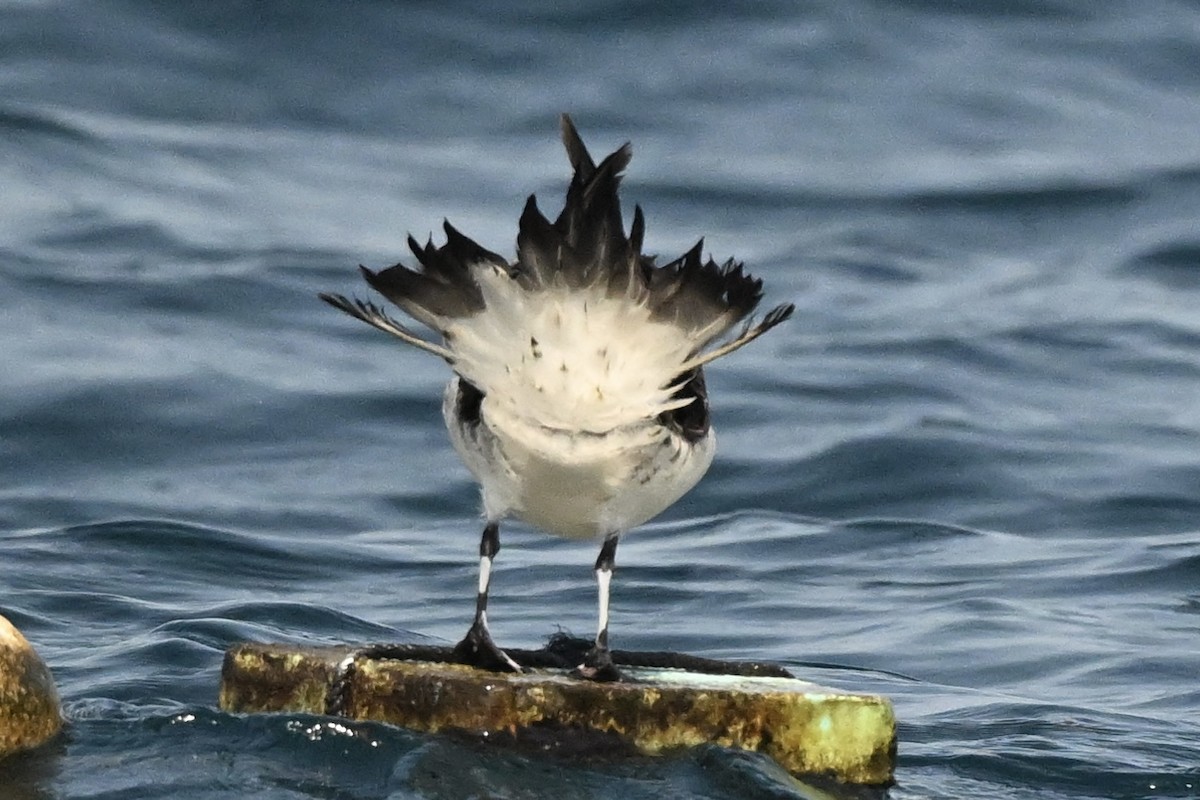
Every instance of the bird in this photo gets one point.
(577, 396)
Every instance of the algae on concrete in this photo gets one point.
(29, 707)
(808, 729)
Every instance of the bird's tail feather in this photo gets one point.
(585, 248)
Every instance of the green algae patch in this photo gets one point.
(30, 713)
(809, 730)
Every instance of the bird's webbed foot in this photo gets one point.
(598, 666)
(477, 649)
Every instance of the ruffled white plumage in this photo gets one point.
(565, 359)
(578, 398)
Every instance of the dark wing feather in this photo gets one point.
(376, 317)
(585, 246)
(443, 287)
(691, 421)
(696, 295)
(539, 248)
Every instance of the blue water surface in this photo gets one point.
(965, 475)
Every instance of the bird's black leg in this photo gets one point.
(598, 664)
(477, 648)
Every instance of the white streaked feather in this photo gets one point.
(569, 359)
(376, 317)
(749, 333)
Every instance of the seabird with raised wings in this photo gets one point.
(577, 395)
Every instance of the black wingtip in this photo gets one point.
(637, 231)
(778, 314)
(342, 303)
(585, 245)
(335, 300)
(577, 152)
(531, 207)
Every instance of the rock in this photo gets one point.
(29, 706)
(808, 729)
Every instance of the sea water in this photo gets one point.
(965, 475)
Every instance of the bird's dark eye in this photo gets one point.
(691, 421)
